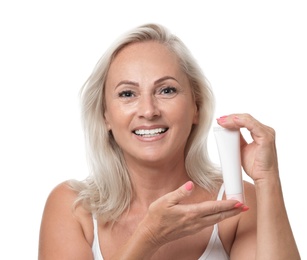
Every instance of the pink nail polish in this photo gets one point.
(238, 205)
(222, 119)
(245, 208)
(189, 186)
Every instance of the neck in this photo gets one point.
(151, 182)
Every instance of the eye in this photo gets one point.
(168, 90)
(126, 94)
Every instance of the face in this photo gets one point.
(149, 105)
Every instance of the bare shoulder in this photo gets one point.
(66, 232)
(60, 203)
(233, 230)
(249, 218)
(62, 191)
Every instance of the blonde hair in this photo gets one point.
(107, 191)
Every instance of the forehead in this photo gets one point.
(147, 54)
(145, 59)
(146, 48)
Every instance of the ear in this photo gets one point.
(196, 115)
(108, 125)
(107, 121)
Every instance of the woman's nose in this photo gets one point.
(148, 107)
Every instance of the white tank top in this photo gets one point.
(214, 250)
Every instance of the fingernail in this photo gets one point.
(245, 208)
(238, 205)
(189, 186)
(222, 119)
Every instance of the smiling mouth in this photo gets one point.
(150, 132)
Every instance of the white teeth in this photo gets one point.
(150, 132)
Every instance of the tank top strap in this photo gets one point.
(95, 224)
(95, 246)
(215, 249)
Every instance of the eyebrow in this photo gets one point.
(133, 83)
(127, 82)
(164, 78)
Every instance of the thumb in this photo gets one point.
(181, 193)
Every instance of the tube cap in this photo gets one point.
(238, 197)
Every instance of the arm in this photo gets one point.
(168, 220)
(63, 237)
(259, 160)
(275, 231)
(61, 234)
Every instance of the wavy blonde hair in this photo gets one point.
(107, 191)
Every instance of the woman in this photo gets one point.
(153, 192)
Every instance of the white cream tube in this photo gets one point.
(228, 144)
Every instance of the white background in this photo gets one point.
(253, 53)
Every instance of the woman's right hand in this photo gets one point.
(169, 219)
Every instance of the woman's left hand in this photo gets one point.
(258, 158)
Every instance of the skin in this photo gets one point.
(170, 217)
(157, 94)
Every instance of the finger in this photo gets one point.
(228, 122)
(214, 207)
(243, 142)
(180, 194)
(211, 212)
(222, 215)
(261, 134)
(232, 121)
(254, 126)
(236, 121)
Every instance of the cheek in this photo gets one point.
(188, 112)
(184, 117)
(117, 117)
